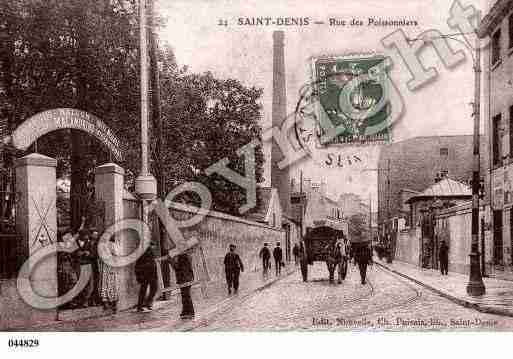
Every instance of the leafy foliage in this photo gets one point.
(85, 54)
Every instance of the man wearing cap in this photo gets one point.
(182, 265)
(265, 254)
(278, 258)
(232, 267)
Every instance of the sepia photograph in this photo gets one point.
(291, 167)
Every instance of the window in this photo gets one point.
(444, 151)
(510, 28)
(496, 140)
(496, 47)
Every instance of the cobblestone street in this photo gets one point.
(387, 302)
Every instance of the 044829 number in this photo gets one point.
(23, 343)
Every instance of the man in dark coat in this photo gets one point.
(295, 252)
(265, 254)
(363, 256)
(232, 267)
(146, 275)
(84, 255)
(278, 256)
(184, 277)
(443, 256)
(303, 261)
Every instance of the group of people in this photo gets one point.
(101, 287)
(338, 256)
(265, 256)
(233, 265)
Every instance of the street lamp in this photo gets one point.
(475, 286)
(145, 183)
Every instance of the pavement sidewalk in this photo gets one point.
(497, 300)
(165, 315)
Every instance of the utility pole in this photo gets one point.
(387, 193)
(145, 183)
(391, 245)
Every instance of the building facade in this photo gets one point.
(497, 26)
(410, 166)
(313, 207)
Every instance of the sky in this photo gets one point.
(245, 53)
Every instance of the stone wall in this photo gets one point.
(454, 226)
(218, 230)
(407, 246)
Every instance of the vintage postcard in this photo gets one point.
(256, 166)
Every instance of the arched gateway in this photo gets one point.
(36, 212)
(65, 118)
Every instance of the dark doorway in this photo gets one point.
(497, 237)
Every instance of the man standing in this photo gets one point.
(443, 256)
(344, 248)
(303, 261)
(278, 256)
(184, 278)
(95, 238)
(295, 252)
(363, 257)
(339, 260)
(232, 267)
(146, 275)
(265, 254)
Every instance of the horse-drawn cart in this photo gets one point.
(319, 246)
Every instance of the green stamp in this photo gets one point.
(353, 99)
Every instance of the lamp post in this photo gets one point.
(145, 183)
(475, 286)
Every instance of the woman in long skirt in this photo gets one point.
(108, 285)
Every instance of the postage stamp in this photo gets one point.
(353, 97)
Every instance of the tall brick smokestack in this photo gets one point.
(279, 177)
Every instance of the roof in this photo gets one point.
(497, 12)
(444, 188)
(409, 190)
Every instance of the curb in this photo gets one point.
(465, 303)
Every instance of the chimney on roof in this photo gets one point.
(307, 185)
(444, 162)
(324, 188)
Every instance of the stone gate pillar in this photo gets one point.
(109, 188)
(36, 217)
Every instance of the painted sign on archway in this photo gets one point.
(65, 118)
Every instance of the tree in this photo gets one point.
(85, 54)
(72, 53)
(205, 120)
